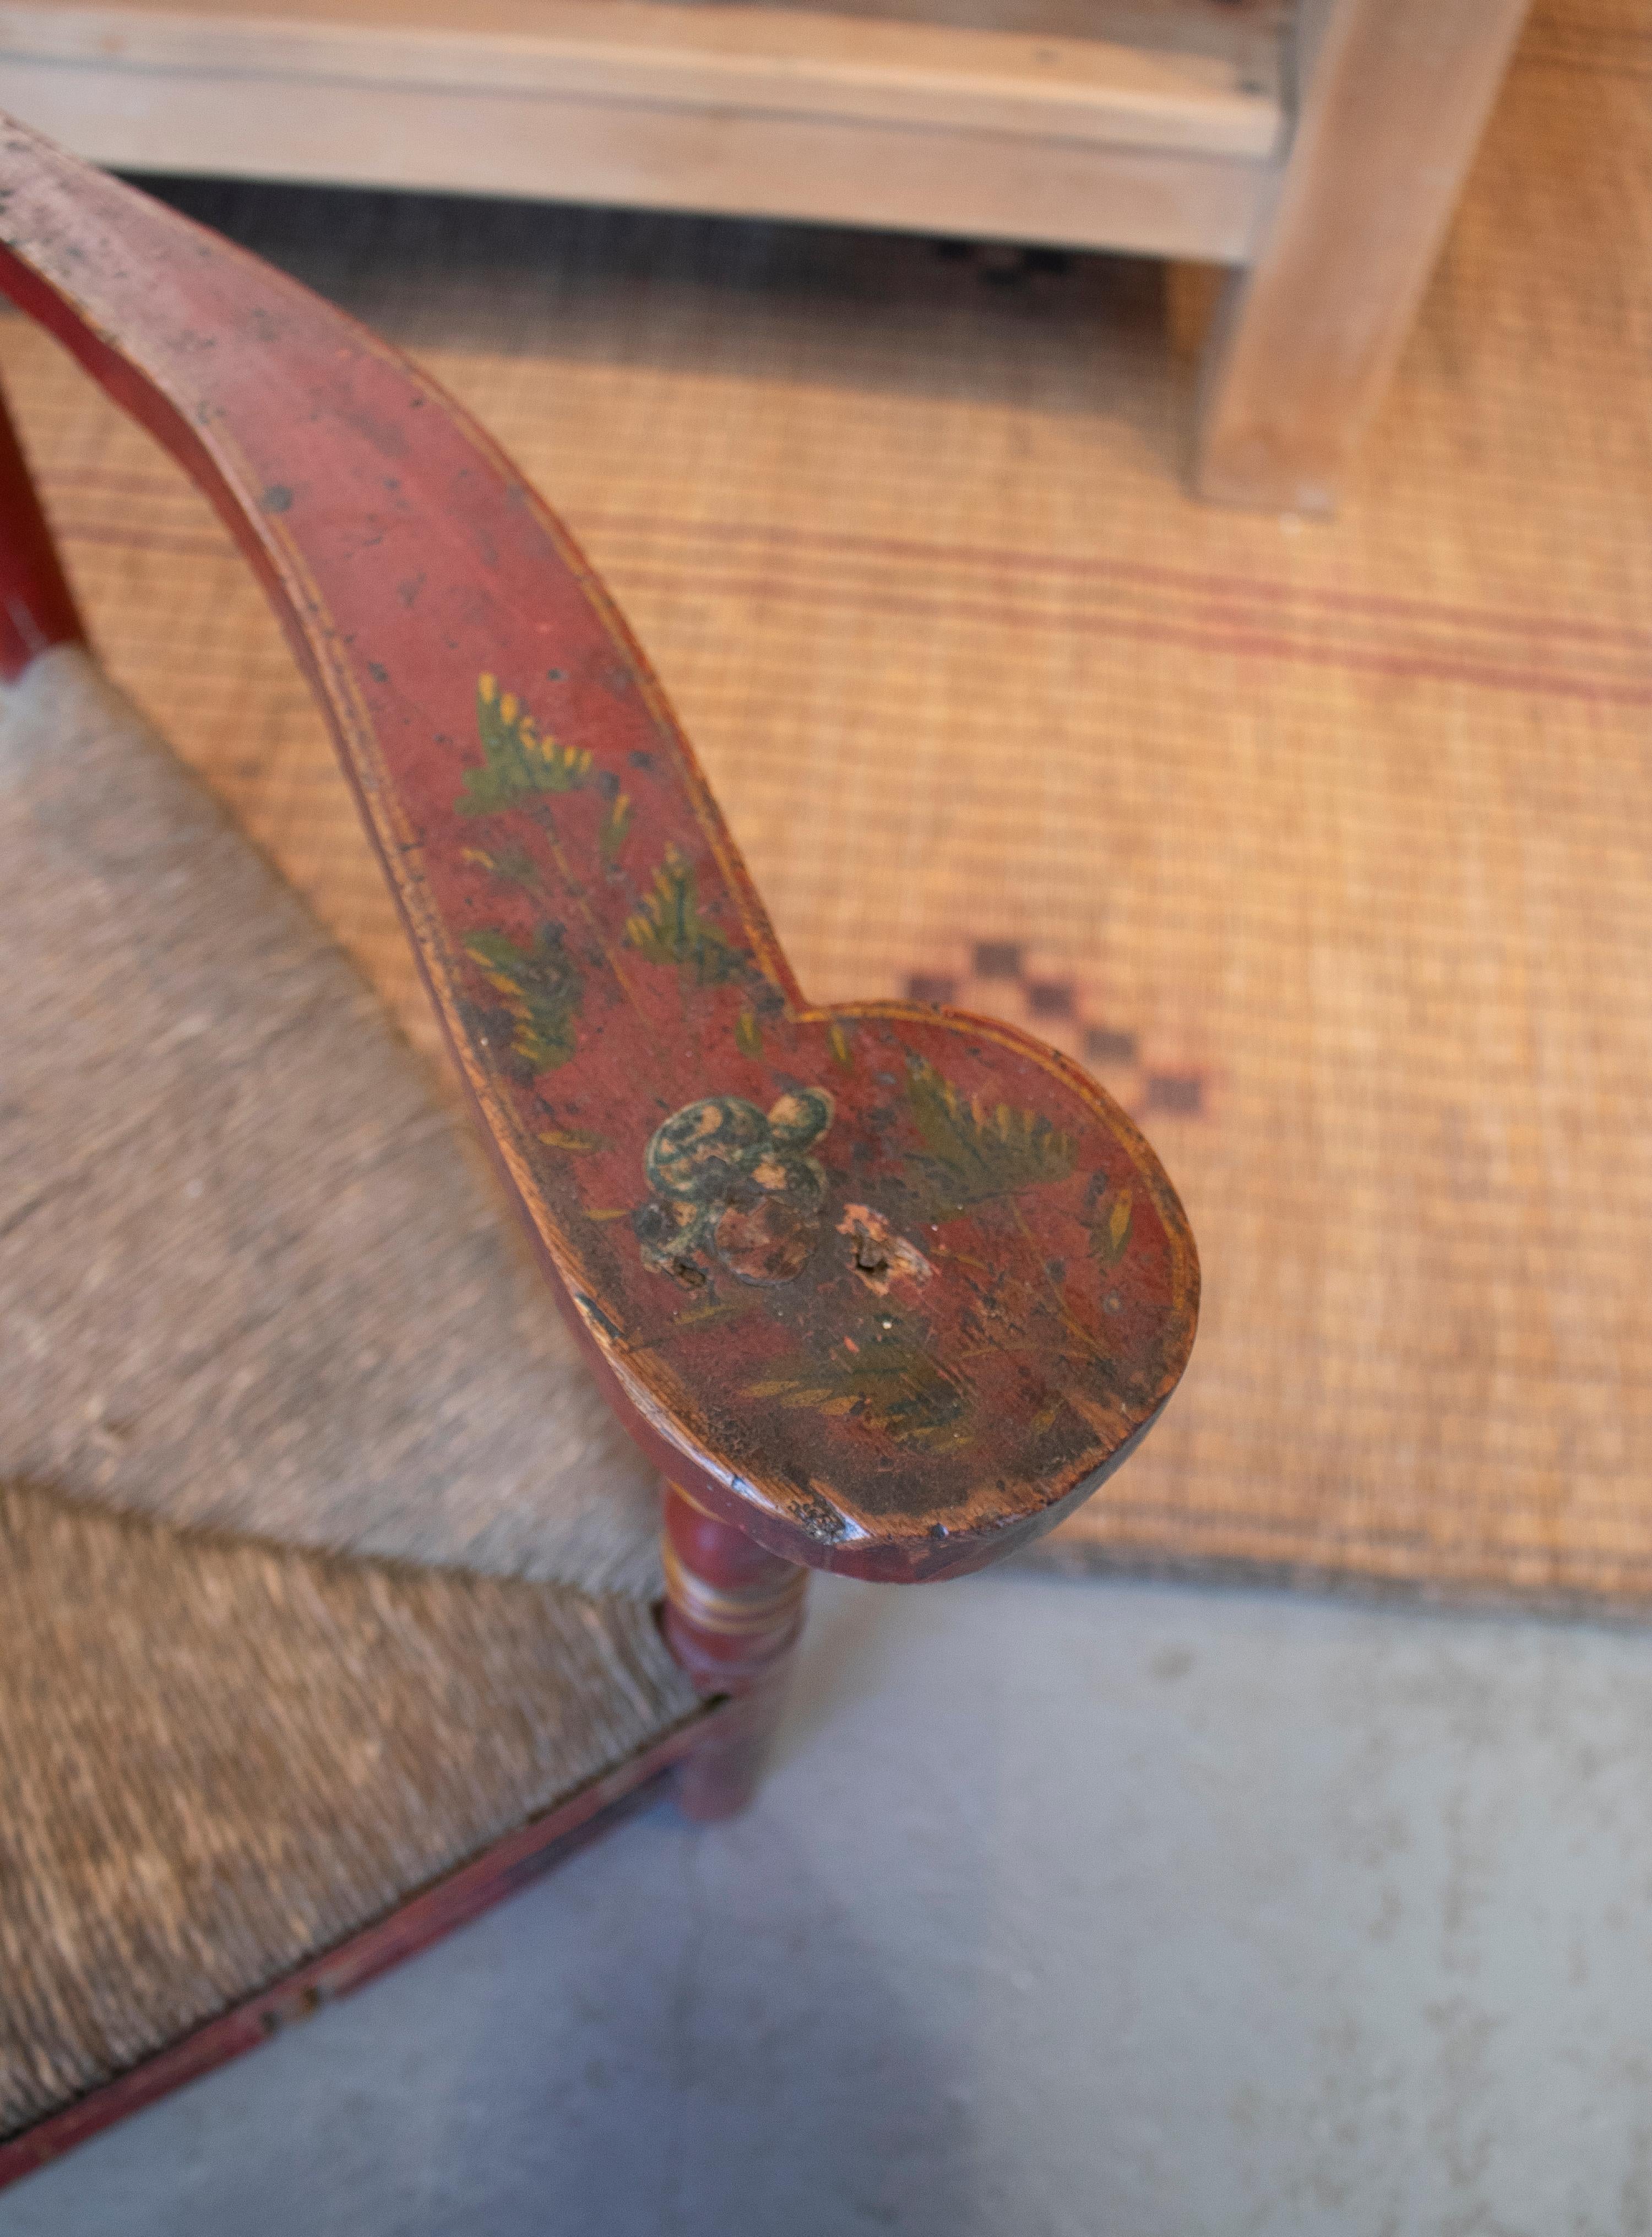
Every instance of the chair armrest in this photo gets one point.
(889, 1287)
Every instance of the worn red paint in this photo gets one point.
(36, 607)
(605, 972)
(732, 1615)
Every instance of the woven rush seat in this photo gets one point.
(322, 1562)
(340, 1607)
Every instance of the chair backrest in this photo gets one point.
(889, 1287)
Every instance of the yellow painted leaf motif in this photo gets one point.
(616, 826)
(1118, 1224)
(519, 760)
(1108, 1236)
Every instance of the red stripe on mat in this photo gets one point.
(1414, 667)
(1210, 633)
(1257, 590)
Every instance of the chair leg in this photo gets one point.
(36, 607)
(1392, 96)
(733, 1613)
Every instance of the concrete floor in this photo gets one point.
(1071, 1907)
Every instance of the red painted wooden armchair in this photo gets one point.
(876, 1288)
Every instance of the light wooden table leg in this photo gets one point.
(1391, 98)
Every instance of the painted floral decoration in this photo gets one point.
(736, 1187)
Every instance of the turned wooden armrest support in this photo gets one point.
(887, 1288)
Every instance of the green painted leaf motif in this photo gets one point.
(518, 761)
(971, 1153)
(541, 989)
(891, 1383)
(669, 927)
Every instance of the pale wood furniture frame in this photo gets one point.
(1391, 98)
(1317, 152)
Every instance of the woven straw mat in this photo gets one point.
(1326, 846)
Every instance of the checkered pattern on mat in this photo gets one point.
(1002, 978)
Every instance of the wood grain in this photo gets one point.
(1343, 829)
(1144, 128)
(1223, 101)
(892, 1289)
(1392, 96)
